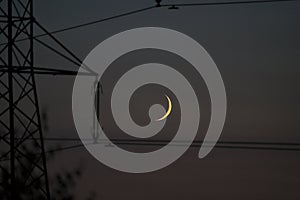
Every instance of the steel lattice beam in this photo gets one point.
(24, 176)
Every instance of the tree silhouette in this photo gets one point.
(62, 184)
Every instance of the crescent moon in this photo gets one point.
(168, 111)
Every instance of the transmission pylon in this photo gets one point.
(24, 175)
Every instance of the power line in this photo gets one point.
(45, 71)
(74, 139)
(273, 146)
(166, 141)
(64, 47)
(193, 145)
(150, 8)
(196, 143)
(89, 23)
(57, 149)
(225, 3)
(220, 144)
(100, 20)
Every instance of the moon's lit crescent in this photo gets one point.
(168, 111)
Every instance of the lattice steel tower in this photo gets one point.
(23, 162)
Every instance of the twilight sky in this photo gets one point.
(256, 48)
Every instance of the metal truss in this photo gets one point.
(24, 176)
(23, 169)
